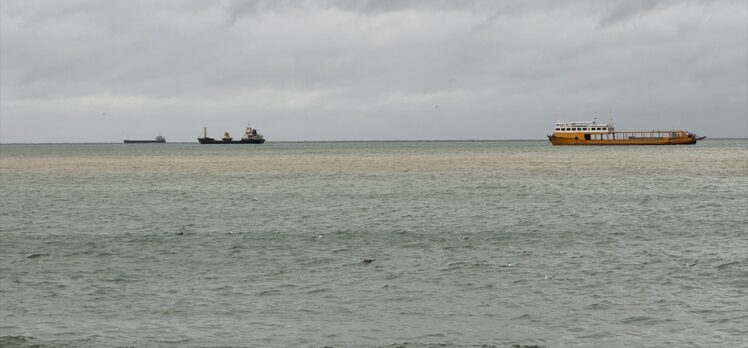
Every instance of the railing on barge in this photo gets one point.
(638, 135)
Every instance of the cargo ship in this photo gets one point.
(159, 140)
(250, 137)
(594, 133)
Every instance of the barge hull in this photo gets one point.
(243, 141)
(641, 141)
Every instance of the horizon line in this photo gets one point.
(319, 141)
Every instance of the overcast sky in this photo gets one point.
(102, 71)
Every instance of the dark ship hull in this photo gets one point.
(220, 141)
(163, 141)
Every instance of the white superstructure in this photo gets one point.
(584, 126)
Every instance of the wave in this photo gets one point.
(22, 342)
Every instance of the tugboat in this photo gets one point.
(250, 137)
(159, 139)
(593, 133)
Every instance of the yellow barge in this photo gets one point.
(593, 133)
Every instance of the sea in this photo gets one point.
(515, 244)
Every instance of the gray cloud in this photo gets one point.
(331, 70)
(624, 10)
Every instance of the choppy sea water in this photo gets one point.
(505, 244)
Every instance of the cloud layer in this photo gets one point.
(367, 70)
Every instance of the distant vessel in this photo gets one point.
(159, 139)
(250, 137)
(593, 133)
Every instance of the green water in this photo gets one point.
(474, 243)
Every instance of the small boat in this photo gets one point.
(159, 139)
(594, 133)
(251, 136)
